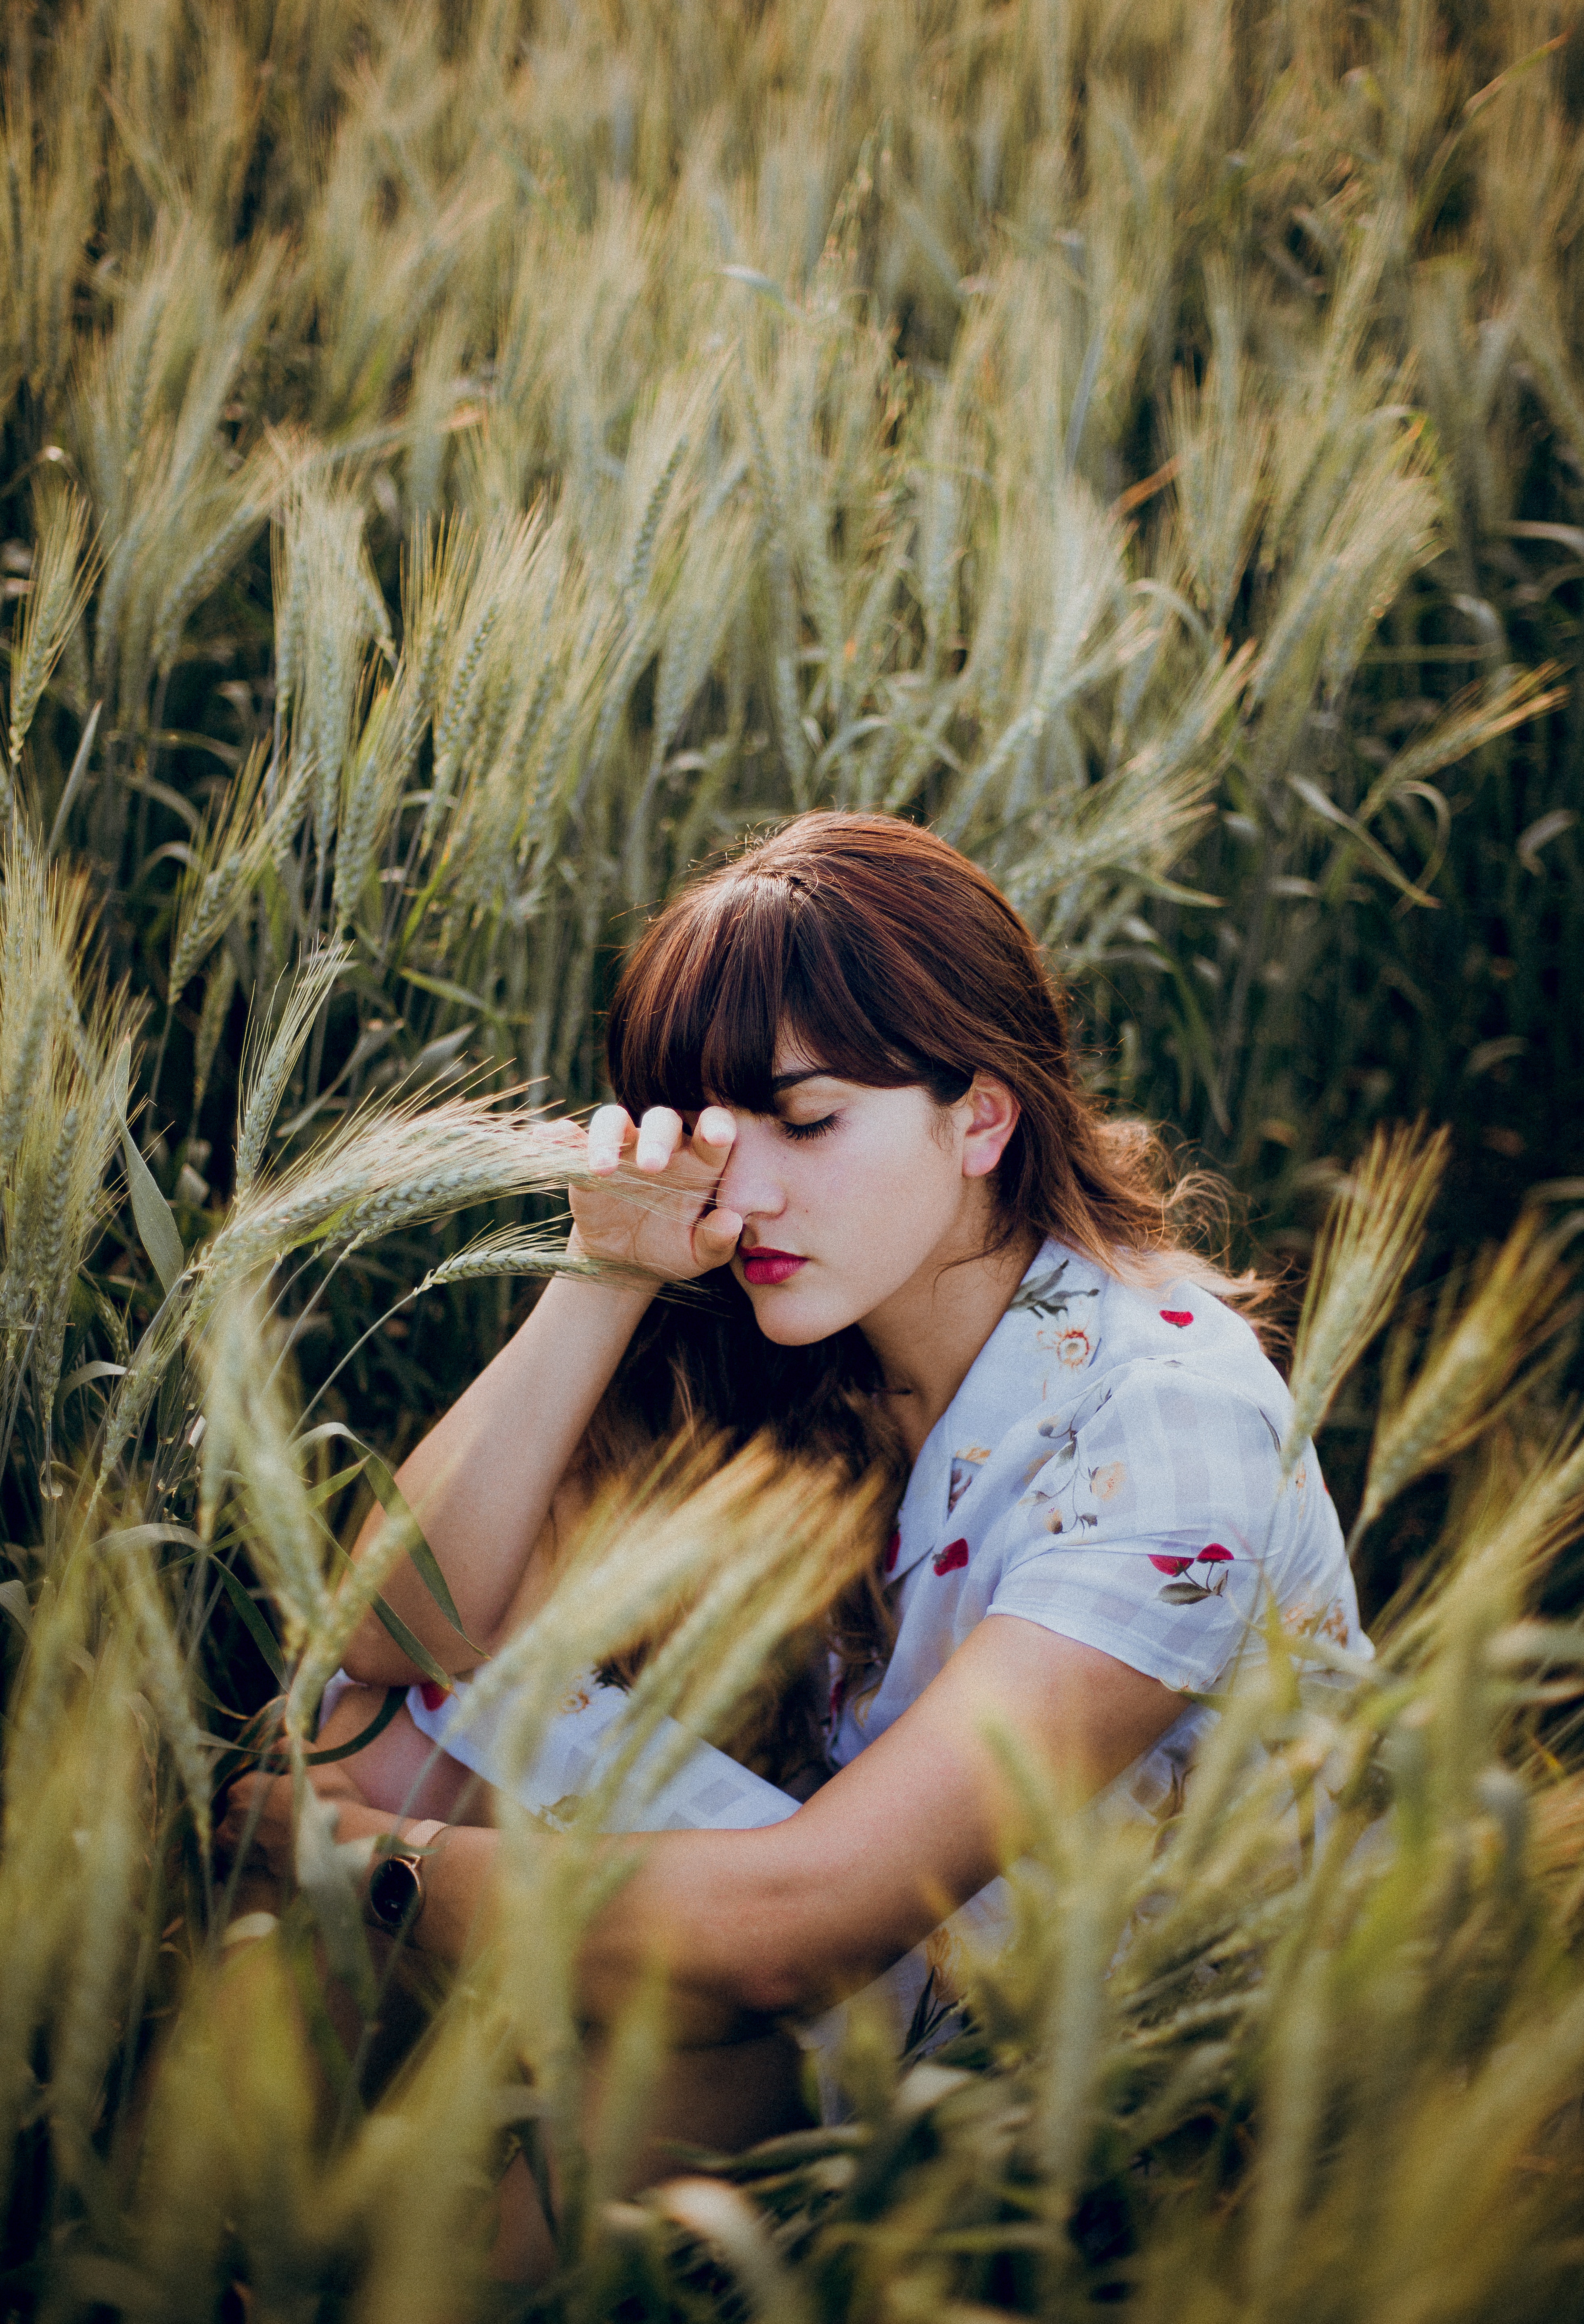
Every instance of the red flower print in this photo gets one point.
(838, 1697)
(432, 1693)
(891, 1548)
(1178, 1315)
(1193, 1590)
(947, 1560)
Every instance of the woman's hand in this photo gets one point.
(484, 1481)
(669, 1226)
(271, 1846)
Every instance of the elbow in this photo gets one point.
(790, 1971)
(773, 1985)
(790, 1955)
(376, 1661)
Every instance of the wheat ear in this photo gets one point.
(62, 577)
(1369, 1241)
(1469, 1371)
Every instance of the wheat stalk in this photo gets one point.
(268, 1064)
(1369, 1241)
(1467, 1371)
(58, 585)
(229, 860)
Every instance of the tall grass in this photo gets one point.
(461, 466)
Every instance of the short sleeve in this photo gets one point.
(1152, 1531)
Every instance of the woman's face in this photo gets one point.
(851, 1196)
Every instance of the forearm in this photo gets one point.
(482, 1481)
(459, 1892)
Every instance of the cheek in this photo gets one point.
(889, 1193)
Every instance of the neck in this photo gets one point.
(927, 1334)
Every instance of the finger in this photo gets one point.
(608, 1132)
(660, 1133)
(714, 1135)
(714, 1238)
(238, 1798)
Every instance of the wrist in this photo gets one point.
(634, 1290)
(393, 1897)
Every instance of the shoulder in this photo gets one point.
(1163, 1384)
(1181, 1328)
(1077, 1338)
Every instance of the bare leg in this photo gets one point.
(725, 2098)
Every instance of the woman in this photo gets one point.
(846, 1099)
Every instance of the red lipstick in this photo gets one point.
(762, 1266)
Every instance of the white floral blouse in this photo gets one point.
(1110, 1468)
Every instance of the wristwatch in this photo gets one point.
(395, 1896)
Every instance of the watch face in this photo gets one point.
(393, 1892)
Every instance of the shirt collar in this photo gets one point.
(1003, 1383)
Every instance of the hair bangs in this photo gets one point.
(741, 968)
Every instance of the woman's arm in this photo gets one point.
(482, 1481)
(792, 1918)
(756, 1923)
(400, 1772)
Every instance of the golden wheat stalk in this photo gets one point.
(228, 857)
(1469, 1371)
(1369, 1241)
(60, 583)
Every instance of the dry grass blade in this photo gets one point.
(1369, 1241)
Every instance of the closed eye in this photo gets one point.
(801, 1130)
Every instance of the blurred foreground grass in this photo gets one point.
(461, 466)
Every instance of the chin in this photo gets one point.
(781, 1322)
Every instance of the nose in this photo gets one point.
(750, 1185)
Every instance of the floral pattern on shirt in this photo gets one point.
(965, 1465)
(1110, 1468)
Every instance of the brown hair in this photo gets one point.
(892, 959)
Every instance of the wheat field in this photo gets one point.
(463, 466)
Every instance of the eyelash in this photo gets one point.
(802, 1129)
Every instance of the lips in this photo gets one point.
(762, 1265)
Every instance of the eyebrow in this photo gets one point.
(790, 1081)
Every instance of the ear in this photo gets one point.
(992, 1117)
